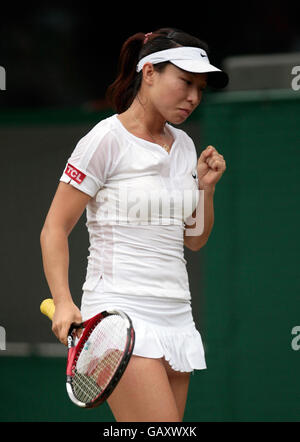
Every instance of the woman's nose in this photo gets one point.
(195, 96)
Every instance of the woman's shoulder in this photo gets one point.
(103, 128)
(100, 140)
(181, 136)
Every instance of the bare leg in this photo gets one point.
(179, 382)
(144, 393)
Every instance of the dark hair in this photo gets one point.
(124, 89)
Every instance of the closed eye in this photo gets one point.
(187, 81)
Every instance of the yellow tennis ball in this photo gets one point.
(48, 308)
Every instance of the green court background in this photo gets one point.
(245, 282)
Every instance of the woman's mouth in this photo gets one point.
(185, 112)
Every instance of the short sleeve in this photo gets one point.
(194, 163)
(191, 157)
(91, 161)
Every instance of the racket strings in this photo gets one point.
(100, 358)
(85, 388)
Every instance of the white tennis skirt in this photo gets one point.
(164, 327)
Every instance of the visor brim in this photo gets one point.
(216, 78)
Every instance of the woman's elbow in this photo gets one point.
(52, 231)
(195, 243)
(43, 233)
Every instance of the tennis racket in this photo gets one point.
(97, 360)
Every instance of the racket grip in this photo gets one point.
(48, 308)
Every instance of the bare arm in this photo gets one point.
(195, 241)
(211, 166)
(67, 207)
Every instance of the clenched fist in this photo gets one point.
(211, 166)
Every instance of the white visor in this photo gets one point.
(189, 59)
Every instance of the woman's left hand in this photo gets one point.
(211, 166)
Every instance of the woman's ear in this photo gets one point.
(148, 73)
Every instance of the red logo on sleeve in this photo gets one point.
(75, 174)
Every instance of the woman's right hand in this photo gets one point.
(66, 313)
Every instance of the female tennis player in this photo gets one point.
(136, 255)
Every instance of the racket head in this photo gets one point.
(98, 360)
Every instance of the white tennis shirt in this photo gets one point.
(141, 196)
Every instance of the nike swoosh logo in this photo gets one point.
(203, 55)
(194, 175)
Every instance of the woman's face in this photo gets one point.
(175, 93)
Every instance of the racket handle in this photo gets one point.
(48, 308)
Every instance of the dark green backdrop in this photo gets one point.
(245, 282)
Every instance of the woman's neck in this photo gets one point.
(140, 115)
